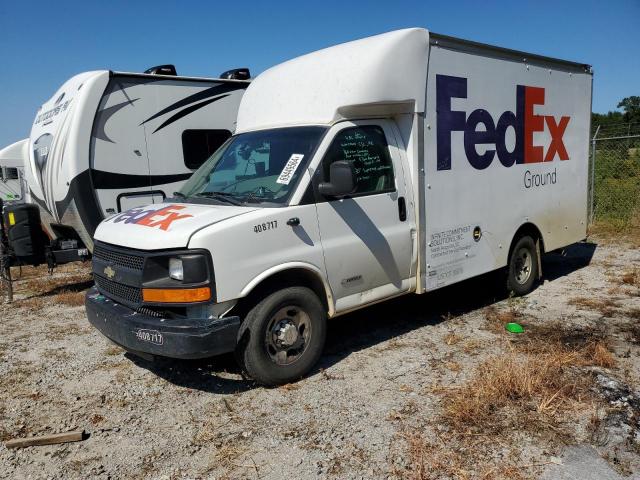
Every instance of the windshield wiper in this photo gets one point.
(224, 196)
(253, 198)
(179, 195)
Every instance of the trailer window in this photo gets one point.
(367, 150)
(198, 145)
(8, 173)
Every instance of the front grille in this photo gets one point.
(126, 260)
(118, 291)
(150, 312)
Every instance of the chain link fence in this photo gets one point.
(614, 190)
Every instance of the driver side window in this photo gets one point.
(366, 148)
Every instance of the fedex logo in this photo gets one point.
(161, 217)
(524, 122)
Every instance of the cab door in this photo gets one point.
(367, 237)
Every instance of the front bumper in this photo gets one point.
(139, 333)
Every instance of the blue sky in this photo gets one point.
(44, 43)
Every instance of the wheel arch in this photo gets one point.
(287, 275)
(531, 230)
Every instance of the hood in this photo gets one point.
(166, 225)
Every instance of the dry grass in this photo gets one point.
(113, 350)
(516, 391)
(632, 331)
(16, 379)
(453, 366)
(96, 419)
(45, 284)
(497, 319)
(350, 458)
(588, 343)
(289, 387)
(471, 347)
(230, 457)
(452, 338)
(70, 298)
(56, 354)
(81, 465)
(608, 232)
(407, 410)
(606, 306)
(540, 387)
(35, 288)
(62, 331)
(393, 344)
(428, 460)
(631, 277)
(31, 304)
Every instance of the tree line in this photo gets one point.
(630, 113)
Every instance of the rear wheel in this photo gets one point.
(282, 337)
(523, 266)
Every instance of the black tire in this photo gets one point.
(267, 330)
(522, 270)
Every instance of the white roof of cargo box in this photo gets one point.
(15, 155)
(383, 73)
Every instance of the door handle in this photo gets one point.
(402, 209)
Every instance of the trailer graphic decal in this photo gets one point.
(524, 122)
(196, 97)
(161, 217)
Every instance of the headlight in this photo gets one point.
(176, 269)
(178, 277)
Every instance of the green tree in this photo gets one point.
(605, 119)
(631, 107)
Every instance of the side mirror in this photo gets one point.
(341, 180)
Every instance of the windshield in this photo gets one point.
(255, 167)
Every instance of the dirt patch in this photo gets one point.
(540, 387)
(419, 387)
(606, 306)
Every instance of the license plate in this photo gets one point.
(149, 336)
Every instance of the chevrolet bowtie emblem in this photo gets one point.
(109, 272)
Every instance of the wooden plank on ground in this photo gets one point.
(66, 437)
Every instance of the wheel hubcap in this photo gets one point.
(288, 334)
(523, 266)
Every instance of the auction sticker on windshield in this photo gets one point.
(290, 168)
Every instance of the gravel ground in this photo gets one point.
(381, 373)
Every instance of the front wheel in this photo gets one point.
(282, 337)
(523, 266)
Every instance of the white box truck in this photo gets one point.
(395, 164)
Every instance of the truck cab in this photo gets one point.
(271, 217)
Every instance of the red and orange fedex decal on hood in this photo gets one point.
(161, 218)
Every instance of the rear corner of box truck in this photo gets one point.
(506, 156)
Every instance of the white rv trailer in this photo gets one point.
(396, 164)
(109, 141)
(12, 160)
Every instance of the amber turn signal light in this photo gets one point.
(176, 295)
